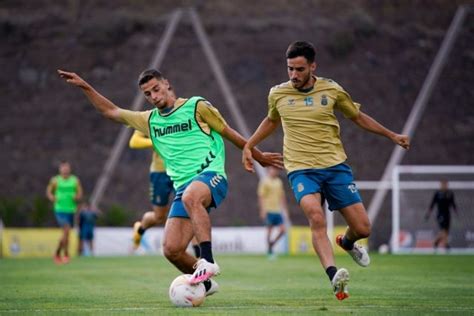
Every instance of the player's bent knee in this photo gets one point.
(364, 231)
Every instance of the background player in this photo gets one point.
(188, 135)
(161, 187)
(87, 218)
(64, 190)
(444, 199)
(314, 156)
(272, 202)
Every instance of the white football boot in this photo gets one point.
(358, 252)
(339, 284)
(204, 271)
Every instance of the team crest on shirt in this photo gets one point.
(308, 101)
(300, 187)
(324, 100)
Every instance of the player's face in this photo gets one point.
(65, 169)
(157, 92)
(300, 72)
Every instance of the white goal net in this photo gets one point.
(413, 190)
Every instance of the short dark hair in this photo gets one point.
(301, 48)
(149, 74)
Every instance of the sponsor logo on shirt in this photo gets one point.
(171, 129)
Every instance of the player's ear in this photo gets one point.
(313, 66)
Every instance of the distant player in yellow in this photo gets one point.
(64, 190)
(161, 187)
(314, 156)
(272, 204)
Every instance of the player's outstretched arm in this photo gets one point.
(266, 159)
(368, 123)
(263, 131)
(101, 103)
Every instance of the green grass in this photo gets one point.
(250, 285)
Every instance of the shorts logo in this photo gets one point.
(352, 188)
(215, 180)
(300, 187)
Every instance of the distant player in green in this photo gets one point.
(314, 156)
(272, 204)
(64, 190)
(188, 135)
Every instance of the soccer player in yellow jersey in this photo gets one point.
(161, 188)
(314, 156)
(272, 203)
(188, 134)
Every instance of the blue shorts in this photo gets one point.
(161, 187)
(274, 219)
(64, 219)
(86, 232)
(216, 183)
(336, 183)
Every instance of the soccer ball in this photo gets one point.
(183, 294)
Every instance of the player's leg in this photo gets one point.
(278, 222)
(358, 228)
(160, 190)
(311, 205)
(269, 238)
(65, 242)
(205, 191)
(196, 248)
(178, 233)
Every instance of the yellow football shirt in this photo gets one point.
(310, 127)
(271, 192)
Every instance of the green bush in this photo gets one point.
(116, 215)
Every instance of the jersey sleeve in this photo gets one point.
(209, 115)
(136, 119)
(140, 141)
(272, 109)
(345, 104)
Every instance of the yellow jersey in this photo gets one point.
(310, 127)
(271, 193)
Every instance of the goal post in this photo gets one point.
(412, 191)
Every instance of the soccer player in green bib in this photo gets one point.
(188, 135)
(314, 156)
(64, 190)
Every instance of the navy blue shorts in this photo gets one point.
(216, 183)
(335, 183)
(161, 187)
(274, 219)
(86, 233)
(64, 219)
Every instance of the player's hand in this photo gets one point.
(402, 140)
(73, 78)
(247, 159)
(271, 159)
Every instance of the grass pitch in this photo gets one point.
(250, 285)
